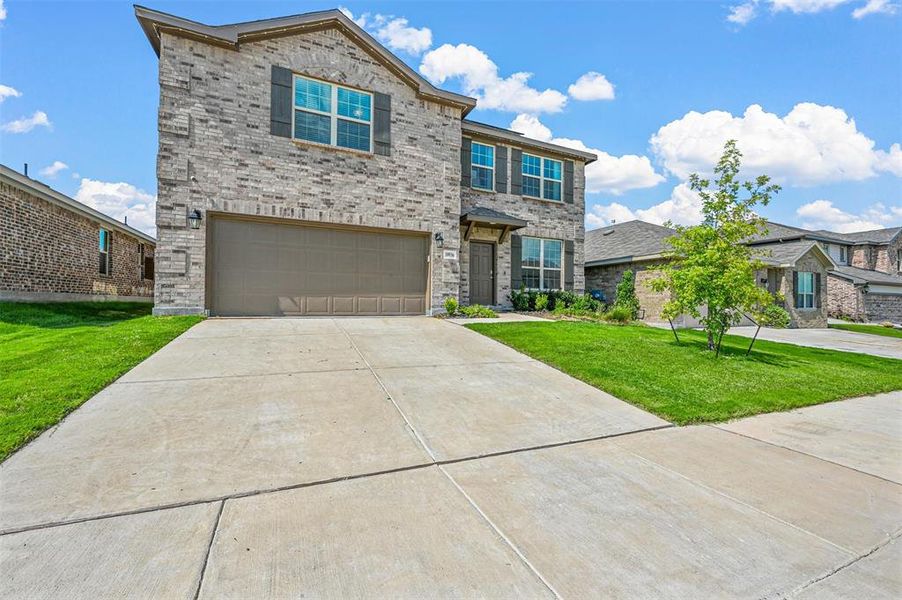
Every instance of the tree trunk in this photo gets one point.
(710, 340)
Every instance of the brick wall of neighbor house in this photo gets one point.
(606, 278)
(887, 257)
(844, 300)
(883, 307)
(214, 124)
(547, 219)
(805, 317)
(47, 249)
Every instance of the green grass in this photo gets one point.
(53, 357)
(685, 383)
(871, 329)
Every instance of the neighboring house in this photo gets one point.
(53, 248)
(866, 282)
(325, 176)
(797, 270)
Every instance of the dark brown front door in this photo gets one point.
(482, 273)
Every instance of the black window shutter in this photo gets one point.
(516, 172)
(501, 169)
(795, 289)
(568, 265)
(382, 124)
(465, 146)
(280, 102)
(568, 181)
(516, 262)
(817, 290)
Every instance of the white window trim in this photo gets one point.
(333, 116)
(542, 177)
(492, 168)
(105, 250)
(813, 292)
(542, 268)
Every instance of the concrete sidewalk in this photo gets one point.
(412, 458)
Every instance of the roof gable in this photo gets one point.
(231, 36)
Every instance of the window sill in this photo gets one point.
(482, 191)
(306, 144)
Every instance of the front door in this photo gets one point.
(482, 273)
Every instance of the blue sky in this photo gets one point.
(812, 89)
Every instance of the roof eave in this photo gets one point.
(602, 262)
(518, 139)
(230, 36)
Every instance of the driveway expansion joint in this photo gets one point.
(796, 450)
(203, 568)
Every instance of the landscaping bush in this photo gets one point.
(626, 294)
(619, 314)
(451, 306)
(541, 301)
(477, 310)
(586, 303)
(520, 299)
(774, 316)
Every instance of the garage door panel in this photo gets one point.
(273, 269)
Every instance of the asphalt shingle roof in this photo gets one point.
(782, 253)
(866, 276)
(632, 238)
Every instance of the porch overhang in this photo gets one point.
(492, 219)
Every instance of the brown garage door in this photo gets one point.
(272, 268)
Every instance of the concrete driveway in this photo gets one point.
(830, 339)
(410, 457)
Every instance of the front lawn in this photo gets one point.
(685, 383)
(871, 329)
(55, 356)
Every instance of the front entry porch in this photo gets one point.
(486, 256)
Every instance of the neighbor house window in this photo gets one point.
(103, 245)
(141, 260)
(331, 114)
(541, 266)
(542, 177)
(843, 255)
(482, 166)
(805, 290)
(899, 260)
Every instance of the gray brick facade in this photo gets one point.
(217, 155)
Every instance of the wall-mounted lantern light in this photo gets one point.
(439, 239)
(194, 218)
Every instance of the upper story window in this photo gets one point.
(805, 290)
(331, 114)
(541, 266)
(843, 255)
(103, 245)
(482, 166)
(899, 260)
(542, 177)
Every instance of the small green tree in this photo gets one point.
(711, 267)
(626, 294)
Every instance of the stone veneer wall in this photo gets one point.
(216, 153)
(883, 258)
(606, 278)
(48, 252)
(883, 307)
(547, 219)
(802, 318)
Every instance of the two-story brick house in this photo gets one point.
(303, 169)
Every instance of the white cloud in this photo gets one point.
(821, 214)
(609, 174)
(480, 78)
(891, 161)
(812, 144)
(684, 207)
(394, 32)
(742, 14)
(54, 169)
(592, 86)
(805, 6)
(26, 124)
(2, 11)
(875, 7)
(120, 200)
(8, 92)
